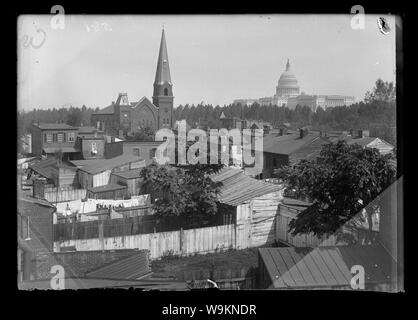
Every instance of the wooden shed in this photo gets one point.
(130, 178)
(97, 173)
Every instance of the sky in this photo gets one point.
(213, 58)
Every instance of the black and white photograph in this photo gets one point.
(209, 152)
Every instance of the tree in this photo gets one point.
(74, 117)
(383, 91)
(185, 191)
(144, 134)
(341, 182)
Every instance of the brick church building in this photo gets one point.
(124, 118)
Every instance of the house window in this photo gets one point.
(165, 91)
(71, 136)
(93, 148)
(54, 137)
(60, 137)
(48, 137)
(152, 152)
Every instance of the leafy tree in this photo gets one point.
(383, 91)
(342, 181)
(187, 191)
(74, 117)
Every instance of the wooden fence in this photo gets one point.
(64, 195)
(160, 244)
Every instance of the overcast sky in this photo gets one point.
(214, 59)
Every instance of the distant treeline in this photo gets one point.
(357, 116)
(377, 110)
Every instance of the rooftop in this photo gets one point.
(101, 165)
(289, 143)
(54, 126)
(239, 188)
(307, 268)
(108, 187)
(129, 174)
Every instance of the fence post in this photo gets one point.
(181, 236)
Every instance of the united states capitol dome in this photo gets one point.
(288, 84)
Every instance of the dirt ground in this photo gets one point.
(172, 267)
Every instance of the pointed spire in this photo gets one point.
(287, 65)
(163, 69)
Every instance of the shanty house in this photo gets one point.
(129, 178)
(287, 149)
(97, 173)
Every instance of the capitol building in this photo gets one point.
(288, 95)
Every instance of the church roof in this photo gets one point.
(162, 74)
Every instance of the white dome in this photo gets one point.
(288, 84)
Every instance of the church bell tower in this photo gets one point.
(163, 88)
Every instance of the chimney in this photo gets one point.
(301, 133)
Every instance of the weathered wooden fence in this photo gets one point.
(63, 195)
(160, 244)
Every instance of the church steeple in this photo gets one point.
(162, 74)
(163, 87)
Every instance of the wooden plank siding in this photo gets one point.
(64, 195)
(264, 212)
(160, 244)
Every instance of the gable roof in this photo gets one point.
(101, 165)
(106, 110)
(145, 100)
(238, 188)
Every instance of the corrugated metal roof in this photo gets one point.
(132, 267)
(239, 188)
(107, 187)
(305, 268)
(101, 165)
